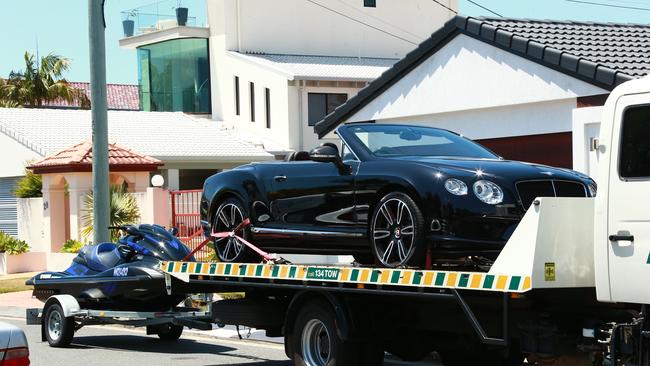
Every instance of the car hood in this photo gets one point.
(494, 168)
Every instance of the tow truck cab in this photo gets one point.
(622, 208)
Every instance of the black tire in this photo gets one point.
(229, 249)
(390, 224)
(315, 341)
(58, 329)
(169, 332)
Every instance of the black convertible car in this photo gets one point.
(391, 192)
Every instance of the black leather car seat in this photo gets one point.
(301, 156)
(297, 156)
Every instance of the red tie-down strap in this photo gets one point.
(225, 234)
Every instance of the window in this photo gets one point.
(252, 92)
(267, 100)
(635, 143)
(321, 104)
(394, 141)
(370, 3)
(237, 111)
(346, 153)
(174, 76)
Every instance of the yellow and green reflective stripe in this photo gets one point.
(384, 276)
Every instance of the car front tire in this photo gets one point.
(397, 231)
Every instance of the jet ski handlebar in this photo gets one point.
(131, 230)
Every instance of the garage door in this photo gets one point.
(8, 210)
(554, 149)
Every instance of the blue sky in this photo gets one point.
(63, 29)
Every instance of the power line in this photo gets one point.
(608, 5)
(366, 24)
(445, 6)
(356, 9)
(484, 8)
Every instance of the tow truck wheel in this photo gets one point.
(315, 341)
(58, 329)
(169, 332)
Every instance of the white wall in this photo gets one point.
(224, 68)
(586, 128)
(14, 155)
(305, 27)
(467, 74)
(505, 121)
(30, 223)
(301, 27)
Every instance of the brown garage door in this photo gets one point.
(550, 149)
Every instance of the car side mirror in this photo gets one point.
(324, 154)
(173, 231)
(328, 153)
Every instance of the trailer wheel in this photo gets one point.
(58, 329)
(169, 332)
(315, 341)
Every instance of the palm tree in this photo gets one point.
(123, 211)
(40, 82)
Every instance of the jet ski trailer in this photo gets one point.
(62, 316)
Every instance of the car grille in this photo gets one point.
(529, 190)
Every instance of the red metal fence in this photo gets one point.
(187, 219)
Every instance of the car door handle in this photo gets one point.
(621, 238)
(280, 178)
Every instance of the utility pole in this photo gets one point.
(96, 30)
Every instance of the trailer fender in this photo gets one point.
(343, 318)
(68, 303)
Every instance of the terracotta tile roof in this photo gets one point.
(80, 158)
(118, 97)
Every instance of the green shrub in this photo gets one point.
(31, 185)
(11, 245)
(72, 246)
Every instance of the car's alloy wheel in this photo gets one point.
(227, 217)
(394, 232)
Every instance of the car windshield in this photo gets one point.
(396, 141)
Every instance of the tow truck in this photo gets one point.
(569, 287)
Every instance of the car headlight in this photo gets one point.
(593, 189)
(456, 187)
(488, 192)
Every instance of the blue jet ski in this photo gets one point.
(119, 276)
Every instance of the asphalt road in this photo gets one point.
(112, 346)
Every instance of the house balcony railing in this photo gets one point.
(156, 17)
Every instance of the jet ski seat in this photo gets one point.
(101, 257)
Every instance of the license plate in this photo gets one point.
(315, 273)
